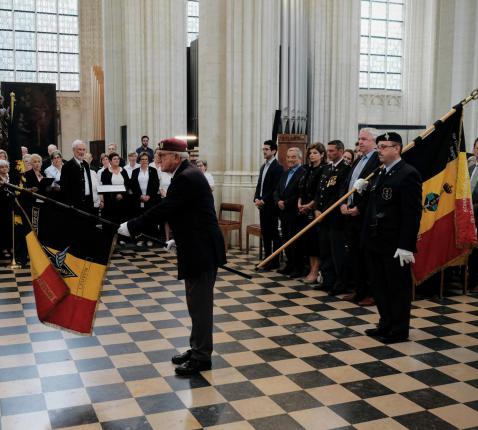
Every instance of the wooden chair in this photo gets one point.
(227, 225)
(254, 230)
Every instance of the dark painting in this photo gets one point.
(35, 111)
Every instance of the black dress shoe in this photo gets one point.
(181, 358)
(392, 338)
(192, 367)
(376, 332)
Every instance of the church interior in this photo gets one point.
(228, 75)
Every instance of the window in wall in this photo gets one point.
(193, 20)
(39, 42)
(381, 44)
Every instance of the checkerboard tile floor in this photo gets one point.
(286, 357)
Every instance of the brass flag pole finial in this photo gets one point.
(12, 103)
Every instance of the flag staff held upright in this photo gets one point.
(13, 264)
(473, 96)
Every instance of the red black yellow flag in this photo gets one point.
(69, 257)
(447, 228)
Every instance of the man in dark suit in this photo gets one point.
(286, 197)
(473, 259)
(331, 229)
(189, 209)
(269, 177)
(353, 210)
(391, 224)
(75, 181)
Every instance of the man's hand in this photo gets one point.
(171, 246)
(360, 185)
(354, 211)
(406, 257)
(123, 230)
(259, 203)
(317, 213)
(281, 204)
(344, 210)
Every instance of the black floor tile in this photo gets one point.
(296, 401)
(428, 398)
(160, 403)
(423, 420)
(357, 412)
(74, 416)
(310, 379)
(106, 393)
(432, 377)
(218, 414)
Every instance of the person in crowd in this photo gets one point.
(113, 148)
(189, 208)
(349, 156)
(145, 191)
(97, 204)
(269, 177)
(317, 159)
(286, 197)
(5, 213)
(132, 163)
(54, 171)
(357, 151)
(75, 180)
(46, 162)
(27, 162)
(24, 150)
(164, 182)
(391, 224)
(473, 259)
(352, 210)
(331, 231)
(114, 204)
(144, 147)
(34, 175)
(3, 155)
(202, 165)
(105, 164)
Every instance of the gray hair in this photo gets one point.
(297, 151)
(35, 157)
(203, 162)
(183, 155)
(372, 131)
(54, 154)
(76, 143)
(4, 163)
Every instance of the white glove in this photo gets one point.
(360, 185)
(171, 246)
(406, 257)
(123, 230)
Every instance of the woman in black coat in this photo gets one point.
(144, 190)
(316, 157)
(115, 206)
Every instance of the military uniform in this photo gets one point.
(331, 233)
(391, 222)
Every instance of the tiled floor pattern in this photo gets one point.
(286, 357)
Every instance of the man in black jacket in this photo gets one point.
(75, 182)
(286, 197)
(391, 224)
(189, 209)
(269, 177)
(331, 234)
(353, 210)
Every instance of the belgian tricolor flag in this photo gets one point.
(447, 228)
(69, 257)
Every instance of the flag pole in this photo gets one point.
(473, 96)
(104, 221)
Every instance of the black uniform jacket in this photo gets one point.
(328, 191)
(289, 194)
(189, 209)
(71, 184)
(271, 180)
(392, 217)
(152, 188)
(360, 200)
(474, 197)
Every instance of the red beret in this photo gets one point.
(173, 145)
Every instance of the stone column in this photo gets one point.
(145, 68)
(238, 93)
(334, 46)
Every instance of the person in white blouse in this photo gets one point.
(132, 164)
(105, 163)
(202, 164)
(164, 177)
(54, 170)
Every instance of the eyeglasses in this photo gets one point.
(382, 146)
